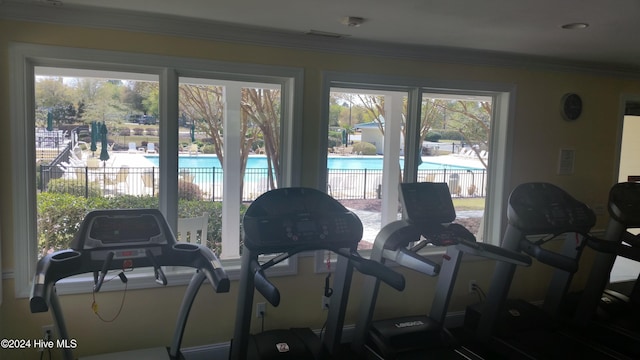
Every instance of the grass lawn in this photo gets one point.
(468, 203)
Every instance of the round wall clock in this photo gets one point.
(571, 106)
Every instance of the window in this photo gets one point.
(406, 129)
(90, 147)
(365, 154)
(147, 127)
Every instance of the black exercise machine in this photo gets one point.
(606, 315)
(285, 222)
(429, 212)
(537, 213)
(123, 240)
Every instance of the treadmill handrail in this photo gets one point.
(611, 247)
(374, 268)
(631, 239)
(549, 257)
(264, 286)
(413, 261)
(493, 252)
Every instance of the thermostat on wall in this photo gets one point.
(566, 161)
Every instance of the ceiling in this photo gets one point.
(498, 27)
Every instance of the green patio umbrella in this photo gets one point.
(49, 121)
(193, 132)
(104, 154)
(94, 136)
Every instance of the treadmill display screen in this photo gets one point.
(427, 202)
(112, 230)
(306, 226)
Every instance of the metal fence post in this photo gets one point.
(213, 185)
(364, 190)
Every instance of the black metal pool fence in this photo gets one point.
(342, 184)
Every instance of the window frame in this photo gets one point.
(503, 95)
(24, 58)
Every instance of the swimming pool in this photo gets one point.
(333, 163)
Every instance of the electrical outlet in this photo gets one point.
(599, 209)
(472, 286)
(47, 335)
(261, 309)
(326, 301)
(47, 332)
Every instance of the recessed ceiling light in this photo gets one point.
(575, 26)
(352, 21)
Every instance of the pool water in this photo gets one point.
(333, 163)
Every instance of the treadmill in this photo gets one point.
(429, 212)
(285, 222)
(606, 315)
(122, 240)
(537, 212)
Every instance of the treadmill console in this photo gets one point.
(427, 202)
(543, 208)
(300, 218)
(429, 207)
(624, 203)
(116, 230)
(122, 239)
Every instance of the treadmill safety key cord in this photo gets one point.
(123, 278)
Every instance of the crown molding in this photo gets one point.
(226, 32)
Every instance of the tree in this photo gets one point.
(104, 100)
(51, 91)
(472, 119)
(81, 110)
(262, 107)
(259, 116)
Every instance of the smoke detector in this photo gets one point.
(54, 3)
(352, 21)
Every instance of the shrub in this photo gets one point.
(75, 187)
(208, 149)
(152, 132)
(138, 131)
(120, 147)
(259, 143)
(124, 132)
(333, 141)
(364, 148)
(122, 202)
(451, 135)
(433, 136)
(59, 218)
(188, 191)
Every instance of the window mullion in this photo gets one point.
(390, 163)
(168, 149)
(231, 172)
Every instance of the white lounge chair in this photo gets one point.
(151, 148)
(151, 183)
(193, 149)
(132, 148)
(118, 183)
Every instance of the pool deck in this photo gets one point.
(456, 160)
